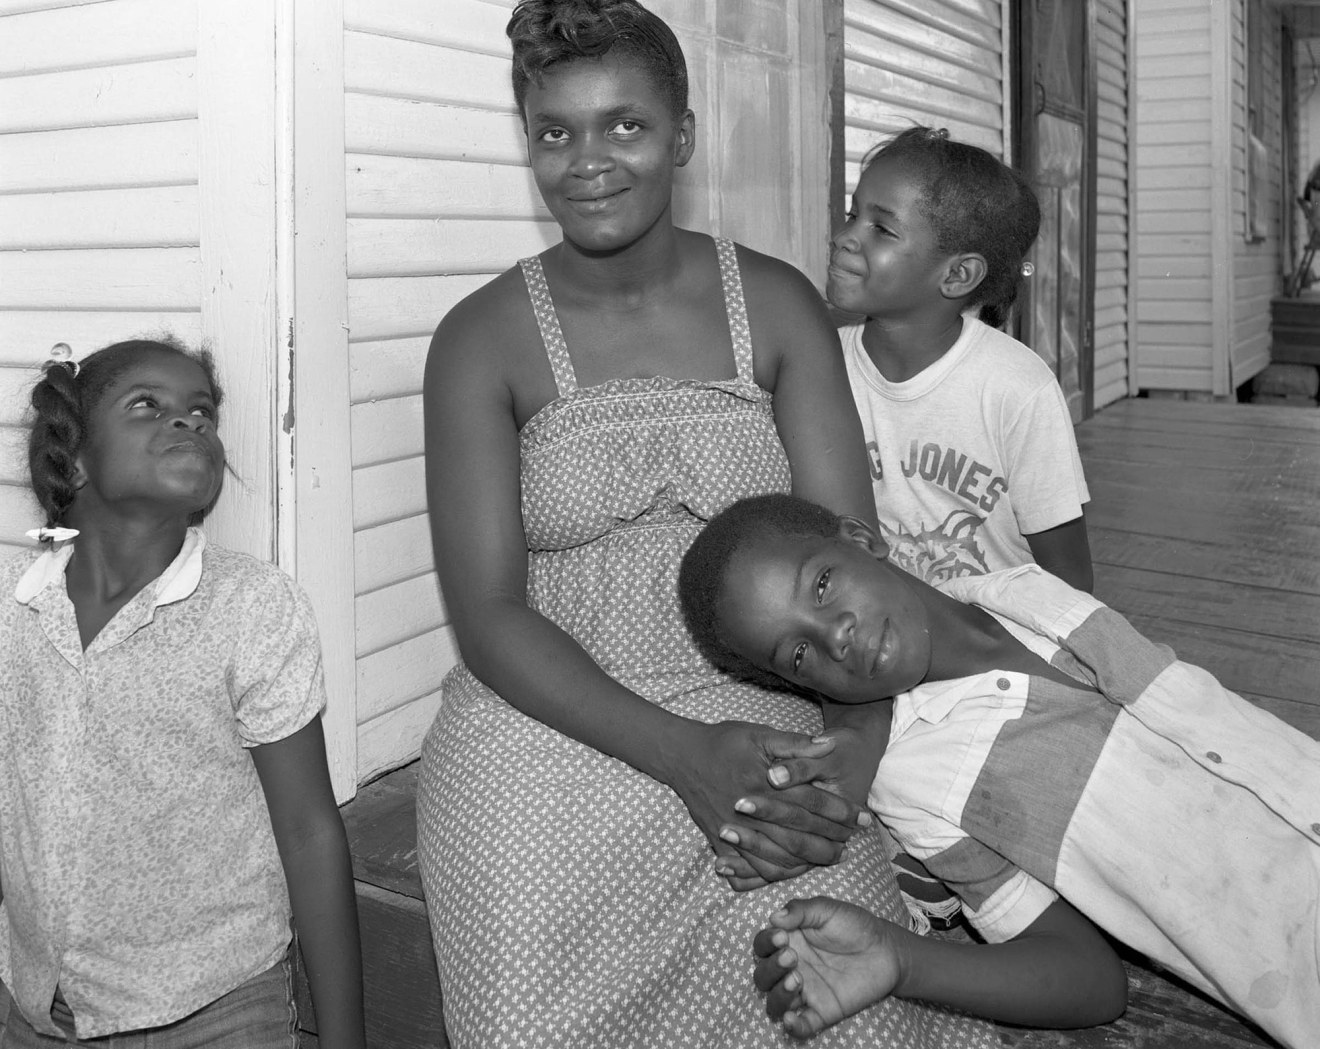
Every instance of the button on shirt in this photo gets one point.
(1177, 816)
(139, 868)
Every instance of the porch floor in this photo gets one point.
(1205, 531)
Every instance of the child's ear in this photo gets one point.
(78, 477)
(855, 530)
(963, 276)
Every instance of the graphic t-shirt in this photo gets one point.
(967, 456)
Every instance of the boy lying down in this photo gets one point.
(1044, 759)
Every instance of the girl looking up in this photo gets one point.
(974, 465)
(164, 798)
(586, 412)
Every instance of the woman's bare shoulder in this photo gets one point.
(786, 313)
(773, 279)
(494, 314)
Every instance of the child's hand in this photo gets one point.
(822, 960)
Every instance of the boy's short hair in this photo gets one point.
(974, 202)
(705, 567)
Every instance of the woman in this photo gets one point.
(586, 412)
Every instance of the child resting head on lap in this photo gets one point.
(1041, 750)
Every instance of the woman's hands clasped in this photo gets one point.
(760, 832)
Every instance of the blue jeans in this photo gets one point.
(260, 1014)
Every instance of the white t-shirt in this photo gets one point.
(967, 456)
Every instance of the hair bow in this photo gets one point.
(51, 534)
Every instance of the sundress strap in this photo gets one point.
(556, 349)
(735, 307)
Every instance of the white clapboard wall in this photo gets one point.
(1257, 265)
(1181, 173)
(1203, 287)
(124, 213)
(439, 200)
(98, 195)
(1113, 326)
(936, 62)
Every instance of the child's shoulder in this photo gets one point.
(1001, 369)
(249, 580)
(1006, 357)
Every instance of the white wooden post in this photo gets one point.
(322, 493)
(271, 160)
(236, 179)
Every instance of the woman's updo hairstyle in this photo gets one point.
(973, 202)
(65, 398)
(546, 32)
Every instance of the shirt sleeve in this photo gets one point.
(998, 897)
(1044, 469)
(1012, 909)
(276, 680)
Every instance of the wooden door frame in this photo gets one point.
(1024, 152)
(317, 497)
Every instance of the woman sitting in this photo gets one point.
(586, 412)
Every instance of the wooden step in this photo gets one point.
(401, 988)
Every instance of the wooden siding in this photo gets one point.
(937, 62)
(438, 200)
(1111, 319)
(1257, 266)
(99, 226)
(1173, 225)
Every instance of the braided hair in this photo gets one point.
(973, 202)
(64, 400)
(704, 571)
(546, 32)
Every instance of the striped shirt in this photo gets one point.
(1178, 817)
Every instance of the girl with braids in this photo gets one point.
(586, 412)
(973, 461)
(164, 798)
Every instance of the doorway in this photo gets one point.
(1055, 148)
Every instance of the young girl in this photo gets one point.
(973, 460)
(140, 848)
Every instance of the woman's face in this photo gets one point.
(603, 146)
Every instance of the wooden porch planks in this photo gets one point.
(401, 986)
(1205, 531)
(1205, 525)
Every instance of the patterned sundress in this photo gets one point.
(573, 901)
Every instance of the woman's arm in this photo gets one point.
(800, 362)
(314, 851)
(473, 492)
